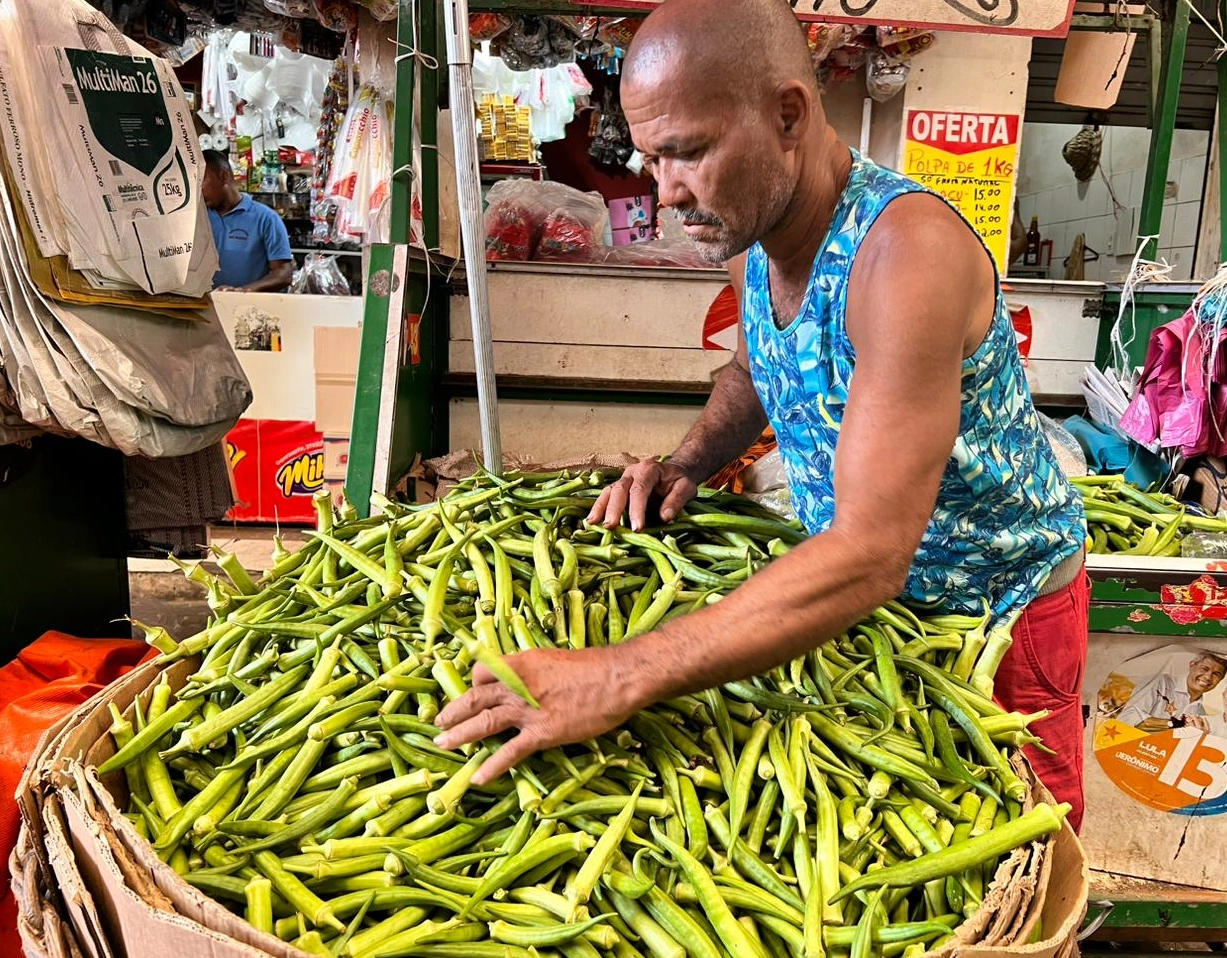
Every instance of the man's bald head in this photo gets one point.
(722, 103)
(737, 50)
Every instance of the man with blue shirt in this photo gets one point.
(252, 243)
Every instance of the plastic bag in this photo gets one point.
(1204, 545)
(511, 227)
(885, 77)
(766, 482)
(825, 38)
(340, 16)
(619, 31)
(320, 276)
(47, 680)
(297, 9)
(382, 10)
(673, 248)
(903, 43)
(526, 219)
(487, 26)
(1065, 447)
(569, 234)
(660, 253)
(525, 45)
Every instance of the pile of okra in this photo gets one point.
(1122, 519)
(855, 802)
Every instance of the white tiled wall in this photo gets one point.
(1047, 189)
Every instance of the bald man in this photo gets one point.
(876, 342)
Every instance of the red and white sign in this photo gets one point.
(962, 133)
(970, 159)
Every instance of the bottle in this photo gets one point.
(1031, 256)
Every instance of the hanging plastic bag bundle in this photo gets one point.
(320, 276)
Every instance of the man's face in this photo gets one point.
(212, 188)
(719, 166)
(1204, 674)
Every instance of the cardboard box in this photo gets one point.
(1092, 64)
(336, 374)
(124, 900)
(127, 902)
(634, 234)
(630, 211)
(336, 456)
(449, 192)
(336, 352)
(336, 490)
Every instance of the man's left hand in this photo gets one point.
(580, 693)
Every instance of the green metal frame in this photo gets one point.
(1163, 125)
(417, 422)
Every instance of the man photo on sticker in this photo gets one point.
(1167, 701)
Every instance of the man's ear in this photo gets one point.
(794, 111)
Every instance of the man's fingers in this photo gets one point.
(502, 761)
(484, 724)
(617, 503)
(481, 676)
(473, 701)
(641, 493)
(598, 510)
(678, 495)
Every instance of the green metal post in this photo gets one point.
(1151, 219)
(368, 392)
(430, 127)
(397, 419)
(1154, 39)
(402, 125)
(1222, 143)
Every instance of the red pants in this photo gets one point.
(1043, 670)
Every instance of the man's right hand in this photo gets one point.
(638, 484)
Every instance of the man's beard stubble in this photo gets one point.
(776, 195)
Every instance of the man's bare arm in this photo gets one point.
(916, 294)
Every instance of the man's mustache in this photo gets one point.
(699, 218)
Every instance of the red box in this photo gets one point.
(278, 468)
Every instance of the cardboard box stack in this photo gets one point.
(336, 376)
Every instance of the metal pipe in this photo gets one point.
(472, 231)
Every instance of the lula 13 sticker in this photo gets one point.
(1161, 730)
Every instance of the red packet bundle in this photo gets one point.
(566, 238)
(509, 232)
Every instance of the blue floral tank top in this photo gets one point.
(1005, 515)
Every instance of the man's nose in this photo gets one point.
(671, 188)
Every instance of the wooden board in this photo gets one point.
(594, 307)
(545, 431)
(647, 364)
